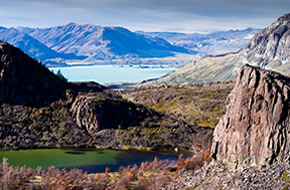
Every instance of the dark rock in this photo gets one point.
(100, 111)
(88, 87)
(24, 127)
(256, 126)
(24, 81)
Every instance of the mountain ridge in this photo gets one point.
(31, 46)
(259, 52)
(101, 42)
(89, 44)
(214, 43)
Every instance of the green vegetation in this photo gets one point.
(286, 177)
(160, 137)
(60, 75)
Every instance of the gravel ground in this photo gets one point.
(218, 176)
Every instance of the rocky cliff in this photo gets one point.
(270, 47)
(256, 126)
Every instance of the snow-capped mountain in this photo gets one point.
(208, 44)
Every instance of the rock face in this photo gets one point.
(270, 47)
(256, 126)
(101, 111)
(24, 81)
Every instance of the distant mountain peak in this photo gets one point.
(103, 43)
(71, 24)
(285, 17)
(270, 43)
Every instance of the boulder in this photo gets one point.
(255, 129)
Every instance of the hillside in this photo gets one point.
(25, 81)
(257, 96)
(200, 104)
(268, 49)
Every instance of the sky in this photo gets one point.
(187, 16)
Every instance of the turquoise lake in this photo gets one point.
(111, 73)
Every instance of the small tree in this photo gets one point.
(60, 75)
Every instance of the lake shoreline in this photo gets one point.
(83, 158)
(113, 73)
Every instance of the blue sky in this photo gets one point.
(147, 15)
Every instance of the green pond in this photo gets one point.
(90, 160)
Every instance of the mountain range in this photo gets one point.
(101, 42)
(268, 49)
(92, 44)
(208, 44)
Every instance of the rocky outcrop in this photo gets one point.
(24, 81)
(39, 110)
(256, 126)
(102, 111)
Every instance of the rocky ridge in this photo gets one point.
(255, 129)
(270, 47)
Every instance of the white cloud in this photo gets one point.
(146, 15)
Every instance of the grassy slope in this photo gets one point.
(216, 68)
(201, 104)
